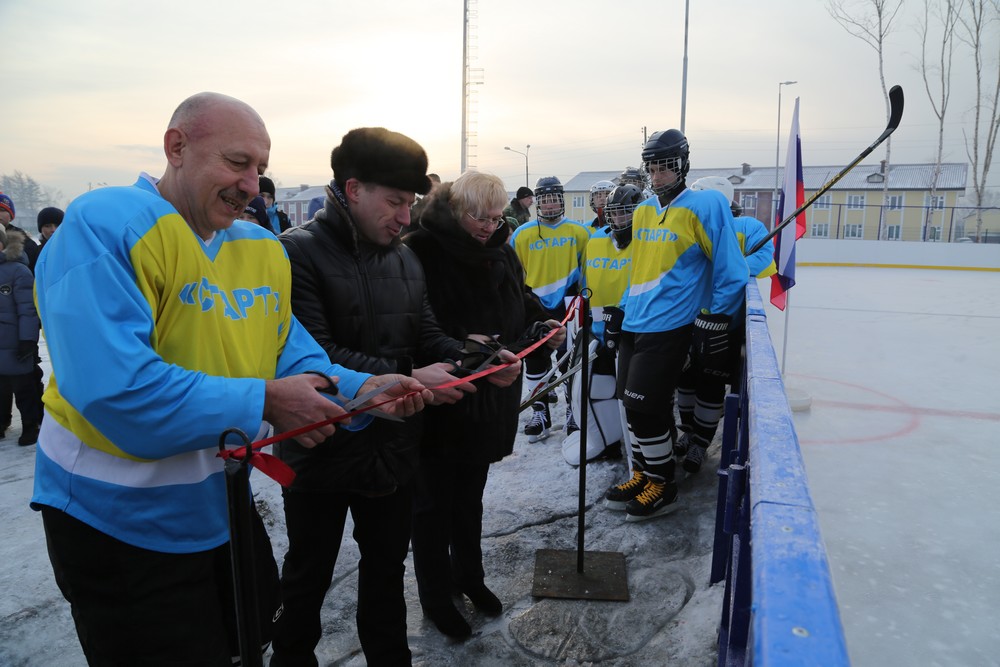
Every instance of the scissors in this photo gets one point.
(358, 401)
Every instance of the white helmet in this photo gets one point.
(597, 188)
(715, 183)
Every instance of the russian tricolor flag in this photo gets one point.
(784, 241)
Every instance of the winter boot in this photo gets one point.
(541, 421)
(484, 599)
(657, 499)
(448, 620)
(619, 495)
(29, 435)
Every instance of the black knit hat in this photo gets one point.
(380, 156)
(49, 216)
(258, 209)
(523, 192)
(266, 185)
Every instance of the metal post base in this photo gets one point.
(603, 576)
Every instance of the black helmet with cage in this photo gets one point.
(666, 151)
(550, 200)
(618, 212)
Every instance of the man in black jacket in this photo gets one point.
(362, 295)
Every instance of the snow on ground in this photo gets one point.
(530, 503)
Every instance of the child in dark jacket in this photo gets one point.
(19, 328)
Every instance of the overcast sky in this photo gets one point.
(88, 87)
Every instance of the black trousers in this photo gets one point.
(448, 527)
(132, 606)
(26, 390)
(649, 368)
(315, 524)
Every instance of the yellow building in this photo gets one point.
(854, 208)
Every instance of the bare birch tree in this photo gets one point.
(871, 21)
(937, 68)
(977, 19)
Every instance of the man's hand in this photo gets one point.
(404, 406)
(296, 401)
(438, 374)
(509, 375)
(559, 337)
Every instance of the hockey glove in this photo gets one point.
(710, 344)
(26, 350)
(613, 318)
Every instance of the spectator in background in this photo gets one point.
(418, 207)
(19, 328)
(49, 219)
(519, 206)
(278, 219)
(31, 248)
(315, 206)
(256, 212)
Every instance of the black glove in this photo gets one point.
(710, 344)
(613, 318)
(27, 350)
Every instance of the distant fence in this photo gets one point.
(779, 607)
(903, 223)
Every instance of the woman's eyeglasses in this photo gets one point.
(488, 222)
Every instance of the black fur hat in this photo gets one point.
(380, 156)
(50, 215)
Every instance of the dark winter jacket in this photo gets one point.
(18, 318)
(473, 288)
(367, 306)
(515, 210)
(30, 248)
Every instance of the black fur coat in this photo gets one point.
(473, 288)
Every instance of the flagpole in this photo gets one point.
(793, 193)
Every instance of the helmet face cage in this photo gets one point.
(599, 194)
(550, 205)
(737, 209)
(621, 206)
(677, 164)
(632, 176)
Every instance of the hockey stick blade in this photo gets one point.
(895, 116)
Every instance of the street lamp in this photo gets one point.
(525, 154)
(777, 158)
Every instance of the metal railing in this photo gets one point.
(779, 606)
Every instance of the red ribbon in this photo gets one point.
(280, 472)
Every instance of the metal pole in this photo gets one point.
(684, 75)
(527, 148)
(777, 160)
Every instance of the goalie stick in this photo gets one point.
(895, 115)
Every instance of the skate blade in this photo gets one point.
(663, 511)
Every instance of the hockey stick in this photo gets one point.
(545, 389)
(895, 115)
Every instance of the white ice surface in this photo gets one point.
(901, 447)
